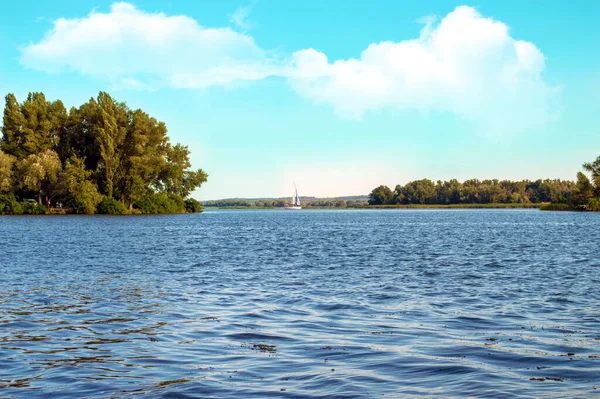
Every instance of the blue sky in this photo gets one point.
(336, 96)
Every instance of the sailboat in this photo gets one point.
(295, 205)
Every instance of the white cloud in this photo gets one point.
(149, 50)
(467, 64)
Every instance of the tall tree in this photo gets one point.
(13, 122)
(143, 156)
(83, 192)
(110, 133)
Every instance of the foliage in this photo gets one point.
(84, 193)
(380, 195)
(583, 190)
(6, 172)
(586, 193)
(473, 191)
(33, 208)
(110, 206)
(33, 126)
(101, 148)
(38, 173)
(416, 192)
(9, 205)
(160, 203)
(593, 205)
(594, 169)
(192, 205)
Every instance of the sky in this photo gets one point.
(337, 97)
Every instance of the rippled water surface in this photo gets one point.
(253, 304)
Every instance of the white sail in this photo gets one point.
(296, 198)
(295, 204)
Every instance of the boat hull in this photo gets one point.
(293, 208)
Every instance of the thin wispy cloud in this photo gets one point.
(240, 18)
(464, 64)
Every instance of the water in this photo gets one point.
(254, 304)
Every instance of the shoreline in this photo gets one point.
(393, 206)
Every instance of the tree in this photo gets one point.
(13, 122)
(110, 134)
(38, 172)
(175, 177)
(594, 169)
(583, 190)
(448, 192)
(420, 192)
(105, 148)
(143, 156)
(83, 192)
(380, 195)
(6, 172)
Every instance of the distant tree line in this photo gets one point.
(282, 202)
(426, 192)
(586, 193)
(244, 203)
(101, 157)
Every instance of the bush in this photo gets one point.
(160, 203)
(85, 198)
(9, 205)
(192, 206)
(110, 206)
(593, 204)
(33, 208)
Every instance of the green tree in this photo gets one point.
(583, 190)
(143, 156)
(12, 126)
(84, 196)
(33, 126)
(420, 192)
(105, 148)
(6, 172)
(38, 172)
(380, 195)
(176, 178)
(110, 133)
(594, 169)
(193, 206)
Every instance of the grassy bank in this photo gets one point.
(556, 207)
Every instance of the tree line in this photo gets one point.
(586, 193)
(427, 192)
(101, 157)
(355, 201)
